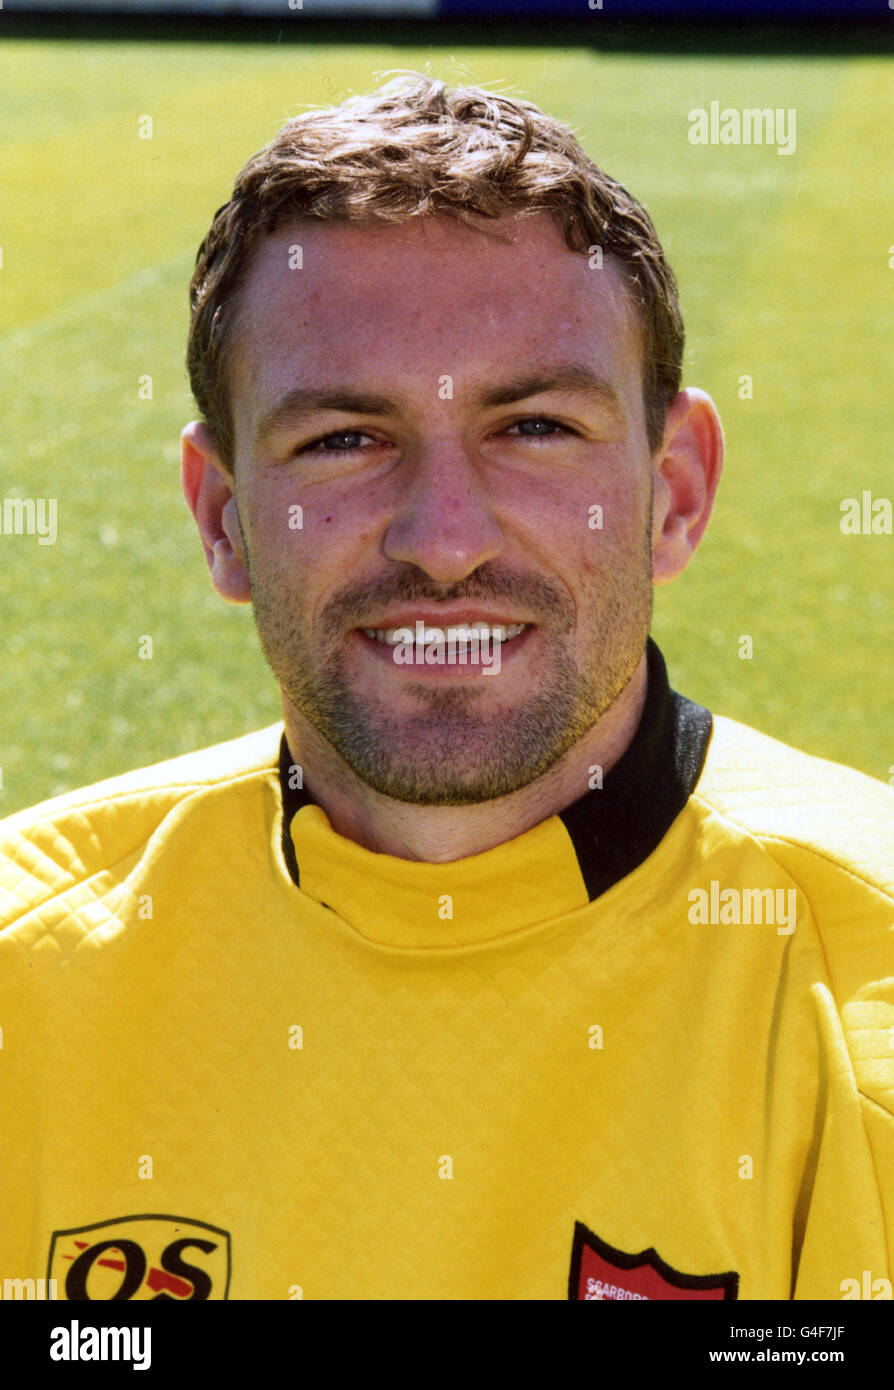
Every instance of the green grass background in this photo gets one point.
(784, 275)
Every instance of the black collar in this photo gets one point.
(615, 827)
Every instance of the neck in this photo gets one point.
(440, 834)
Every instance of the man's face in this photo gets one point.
(461, 490)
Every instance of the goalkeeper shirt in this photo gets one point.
(644, 1050)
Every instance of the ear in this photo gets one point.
(209, 489)
(686, 471)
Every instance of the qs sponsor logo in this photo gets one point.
(140, 1258)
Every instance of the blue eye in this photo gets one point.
(336, 434)
(554, 427)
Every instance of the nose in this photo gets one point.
(445, 525)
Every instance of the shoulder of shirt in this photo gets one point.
(48, 848)
(831, 830)
(817, 817)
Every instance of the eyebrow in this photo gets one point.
(301, 401)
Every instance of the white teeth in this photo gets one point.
(392, 636)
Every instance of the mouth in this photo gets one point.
(456, 633)
(459, 650)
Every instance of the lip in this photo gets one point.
(443, 616)
(509, 652)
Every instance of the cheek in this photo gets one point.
(590, 561)
(294, 528)
(604, 523)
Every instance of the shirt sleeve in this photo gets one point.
(845, 1217)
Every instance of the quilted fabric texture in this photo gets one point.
(414, 1081)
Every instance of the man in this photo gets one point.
(497, 970)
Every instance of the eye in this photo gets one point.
(544, 427)
(326, 440)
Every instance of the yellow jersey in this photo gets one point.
(644, 1050)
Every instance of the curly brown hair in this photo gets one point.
(418, 148)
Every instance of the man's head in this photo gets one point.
(418, 149)
(459, 409)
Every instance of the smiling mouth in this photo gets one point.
(458, 634)
(469, 649)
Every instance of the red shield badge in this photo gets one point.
(599, 1272)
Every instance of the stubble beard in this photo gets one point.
(451, 753)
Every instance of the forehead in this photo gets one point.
(347, 303)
